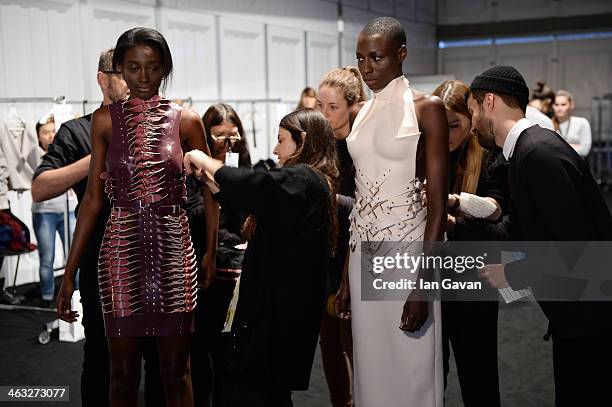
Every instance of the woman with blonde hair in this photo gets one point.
(575, 130)
(340, 96)
(471, 188)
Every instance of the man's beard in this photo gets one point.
(485, 132)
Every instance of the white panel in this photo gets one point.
(420, 35)
(421, 47)
(420, 61)
(466, 63)
(3, 59)
(465, 11)
(426, 11)
(191, 38)
(311, 15)
(242, 45)
(355, 20)
(286, 62)
(322, 56)
(66, 70)
(584, 7)
(533, 61)
(406, 9)
(18, 54)
(355, 3)
(106, 21)
(526, 9)
(349, 45)
(384, 7)
(584, 84)
(35, 37)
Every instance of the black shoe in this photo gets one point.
(6, 297)
(47, 303)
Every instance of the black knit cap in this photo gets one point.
(502, 79)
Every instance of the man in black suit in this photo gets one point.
(553, 197)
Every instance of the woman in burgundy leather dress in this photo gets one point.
(147, 266)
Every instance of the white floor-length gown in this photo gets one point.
(391, 368)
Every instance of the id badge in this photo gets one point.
(231, 159)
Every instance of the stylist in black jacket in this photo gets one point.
(291, 232)
(553, 197)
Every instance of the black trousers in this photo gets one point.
(471, 328)
(209, 347)
(95, 377)
(583, 371)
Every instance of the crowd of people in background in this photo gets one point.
(224, 279)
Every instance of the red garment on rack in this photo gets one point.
(20, 234)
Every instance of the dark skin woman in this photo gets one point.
(380, 61)
(144, 69)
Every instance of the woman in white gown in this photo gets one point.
(399, 139)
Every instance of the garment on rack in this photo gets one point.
(20, 146)
(19, 235)
(4, 176)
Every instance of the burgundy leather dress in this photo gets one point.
(147, 266)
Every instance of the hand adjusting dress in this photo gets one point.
(147, 267)
(391, 367)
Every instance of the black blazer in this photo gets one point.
(553, 194)
(553, 197)
(282, 284)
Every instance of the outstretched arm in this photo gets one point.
(62, 167)
(101, 128)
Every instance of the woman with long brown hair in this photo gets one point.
(469, 183)
(307, 98)
(340, 96)
(226, 141)
(291, 232)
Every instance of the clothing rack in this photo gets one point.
(252, 102)
(46, 99)
(600, 158)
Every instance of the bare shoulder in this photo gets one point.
(191, 129)
(189, 117)
(101, 123)
(101, 114)
(426, 101)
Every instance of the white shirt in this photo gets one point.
(538, 117)
(514, 134)
(577, 131)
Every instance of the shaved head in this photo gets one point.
(388, 27)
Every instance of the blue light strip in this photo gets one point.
(482, 42)
(585, 36)
(524, 40)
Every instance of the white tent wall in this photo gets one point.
(222, 49)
